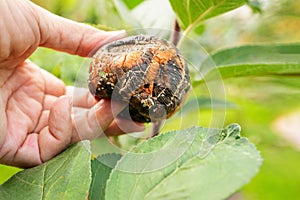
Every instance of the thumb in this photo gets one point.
(55, 137)
(72, 37)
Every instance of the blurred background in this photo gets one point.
(267, 107)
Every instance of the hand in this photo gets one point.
(38, 119)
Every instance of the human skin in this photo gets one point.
(39, 115)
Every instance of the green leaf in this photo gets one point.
(191, 12)
(101, 168)
(7, 172)
(196, 163)
(205, 103)
(105, 12)
(255, 70)
(255, 60)
(255, 5)
(56, 71)
(67, 176)
(156, 17)
(132, 3)
(149, 22)
(126, 15)
(272, 53)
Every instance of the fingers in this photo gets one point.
(43, 121)
(99, 120)
(65, 35)
(3, 122)
(91, 123)
(53, 85)
(122, 126)
(55, 137)
(29, 147)
(81, 97)
(52, 139)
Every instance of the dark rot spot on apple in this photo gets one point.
(147, 72)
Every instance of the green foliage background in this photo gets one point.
(258, 100)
